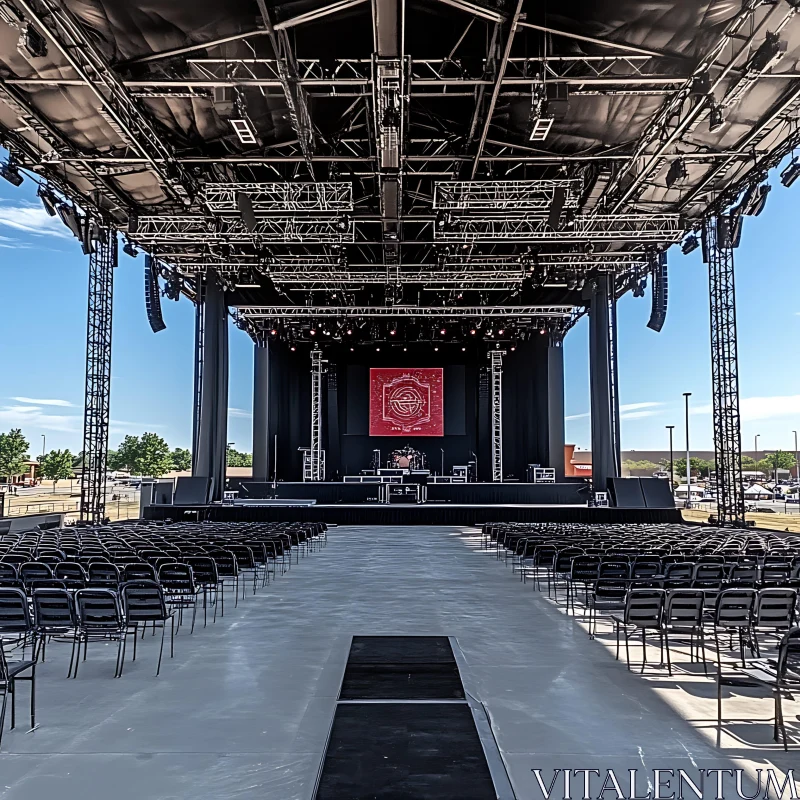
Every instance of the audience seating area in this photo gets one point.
(110, 583)
(715, 589)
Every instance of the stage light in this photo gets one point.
(436, 349)
(677, 172)
(293, 348)
(129, 249)
(274, 332)
(690, 244)
(33, 43)
(405, 349)
(443, 331)
(352, 349)
(768, 54)
(716, 117)
(48, 201)
(9, 171)
(463, 349)
(754, 200)
(513, 348)
(392, 332)
(501, 332)
(349, 331)
(377, 349)
(791, 173)
(312, 332)
(343, 223)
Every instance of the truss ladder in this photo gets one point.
(496, 397)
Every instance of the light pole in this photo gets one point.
(757, 437)
(687, 395)
(44, 442)
(796, 462)
(671, 428)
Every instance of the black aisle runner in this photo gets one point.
(393, 748)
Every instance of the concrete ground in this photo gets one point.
(244, 708)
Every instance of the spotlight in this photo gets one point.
(48, 201)
(244, 205)
(716, 117)
(377, 349)
(392, 332)
(349, 331)
(33, 43)
(129, 249)
(436, 349)
(352, 349)
(443, 331)
(677, 172)
(312, 332)
(690, 243)
(791, 173)
(274, 332)
(405, 349)
(293, 348)
(463, 349)
(754, 200)
(343, 223)
(473, 331)
(501, 332)
(11, 173)
(513, 348)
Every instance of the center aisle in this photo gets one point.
(244, 709)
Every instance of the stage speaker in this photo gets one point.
(658, 314)
(626, 492)
(556, 207)
(152, 294)
(192, 491)
(657, 493)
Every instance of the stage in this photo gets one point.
(447, 504)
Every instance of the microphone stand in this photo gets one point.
(442, 449)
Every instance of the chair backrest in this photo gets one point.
(176, 577)
(227, 566)
(14, 614)
(709, 572)
(734, 607)
(775, 608)
(8, 571)
(585, 568)
(684, 608)
(789, 654)
(141, 571)
(563, 561)
(142, 601)
(646, 568)
(244, 555)
(614, 568)
(204, 569)
(644, 607)
(104, 574)
(98, 609)
(776, 573)
(34, 569)
(679, 569)
(53, 609)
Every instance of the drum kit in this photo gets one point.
(407, 458)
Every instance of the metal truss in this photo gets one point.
(192, 230)
(389, 312)
(659, 228)
(274, 198)
(102, 263)
(613, 381)
(533, 196)
(679, 113)
(316, 455)
(128, 119)
(725, 373)
(496, 398)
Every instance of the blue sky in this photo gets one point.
(43, 321)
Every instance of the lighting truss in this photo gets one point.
(502, 195)
(620, 228)
(96, 420)
(275, 198)
(192, 230)
(449, 312)
(496, 388)
(316, 454)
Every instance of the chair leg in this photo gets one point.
(3, 713)
(161, 649)
(627, 650)
(33, 696)
(719, 680)
(669, 660)
(194, 614)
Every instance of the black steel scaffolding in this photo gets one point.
(98, 377)
(725, 371)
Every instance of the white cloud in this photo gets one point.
(637, 414)
(34, 402)
(34, 417)
(33, 219)
(239, 412)
(756, 408)
(636, 406)
(577, 416)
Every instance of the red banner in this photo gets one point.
(406, 402)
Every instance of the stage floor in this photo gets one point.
(244, 709)
(413, 514)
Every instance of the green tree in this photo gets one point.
(700, 467)
(237, 459)
(749, 464)
(778, 460)
(13, 453)
(181, 459)
(147, 454)
(56, 466)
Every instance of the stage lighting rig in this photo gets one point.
(770, 52)
(676, 173)
(754, 200)
(716, 116)
(11, 173)
(690, 244)
(792, 171)
(48, 200)
(248, 279)
(129, 249)
(173, 286)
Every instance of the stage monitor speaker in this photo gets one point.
(152, 295)
(192, 491)
(657, 493)
(626, 492)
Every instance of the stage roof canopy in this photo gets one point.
(401, 154)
